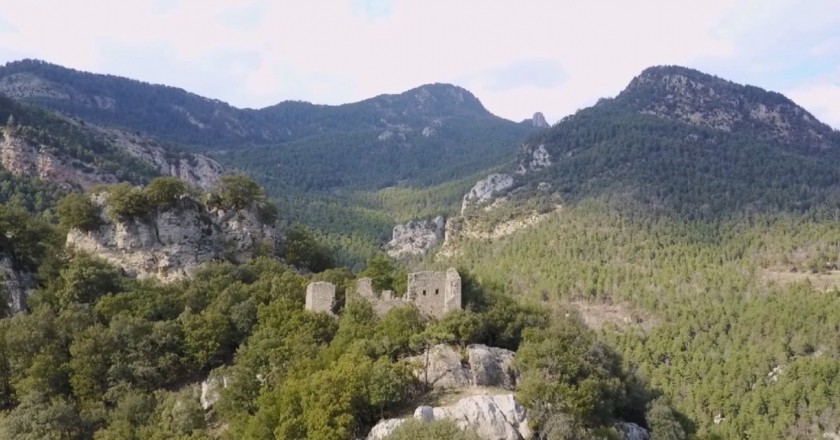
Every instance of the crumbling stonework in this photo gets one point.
(434, 293)
(320, 297)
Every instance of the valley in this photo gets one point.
(660, 265)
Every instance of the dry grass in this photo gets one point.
(819, 281)
(619, 315)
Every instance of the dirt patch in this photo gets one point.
(622, 316)
(819, 281)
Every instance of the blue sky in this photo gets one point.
(518, 57)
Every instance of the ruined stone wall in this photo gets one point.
(320, 297)
(452, 300)
(434, 293)
(381, 303)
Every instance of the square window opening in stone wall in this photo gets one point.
(437, 291)
(424, 293)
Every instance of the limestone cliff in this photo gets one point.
(415, 237)
(23, 157)
(15, 283)
(195, 169)
(480, 366)
(26, 157)
(170, 244)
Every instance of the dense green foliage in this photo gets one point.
(77, 211)
(103, 356)
(721, 305)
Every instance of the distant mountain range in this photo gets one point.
(424, 136)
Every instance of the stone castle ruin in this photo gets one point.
(434, 294)
(320, 297)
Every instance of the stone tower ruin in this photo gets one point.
(434, 293)
(320, 297)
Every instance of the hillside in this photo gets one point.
(692, 221)
(352, 171)
(426, 135)
(681, 142)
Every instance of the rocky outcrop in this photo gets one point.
(632, 431)
(195, 169)
(210, 391)
(384, 428)
(15, 283)
(169, 245)
(23, 157)
(533, 158)
(497, 417)
(538, 121)
(479, 366)
(415, 237)
(690, 96)
(26, 159)
(486, 189)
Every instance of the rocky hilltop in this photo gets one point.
(697, 98)
(169, 244)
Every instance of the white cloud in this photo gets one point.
(517, 57)
(821, 98)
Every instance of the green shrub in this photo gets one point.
(77, 211)
(163, 192)
(126, 202)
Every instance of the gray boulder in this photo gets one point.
(496, 417)
(632, 431)
(415, 237)
(479, 366)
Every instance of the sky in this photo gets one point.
(517, 57)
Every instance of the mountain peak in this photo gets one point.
(688, 95)
(433, 99)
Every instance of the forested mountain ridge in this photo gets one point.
(428, 135)
(693, 222)
(177, 115)
(682, 142)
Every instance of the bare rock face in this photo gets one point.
(210, 391)
(195, 169)
(384, 428)
(481, 366)
(533, 158)
(538, 120)
(170, 245)
(15, 283)
(22, 158)
(700, 99)
(497, 417)
(415, 237)
(25, 158)
(632, 431)
(485, 189)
